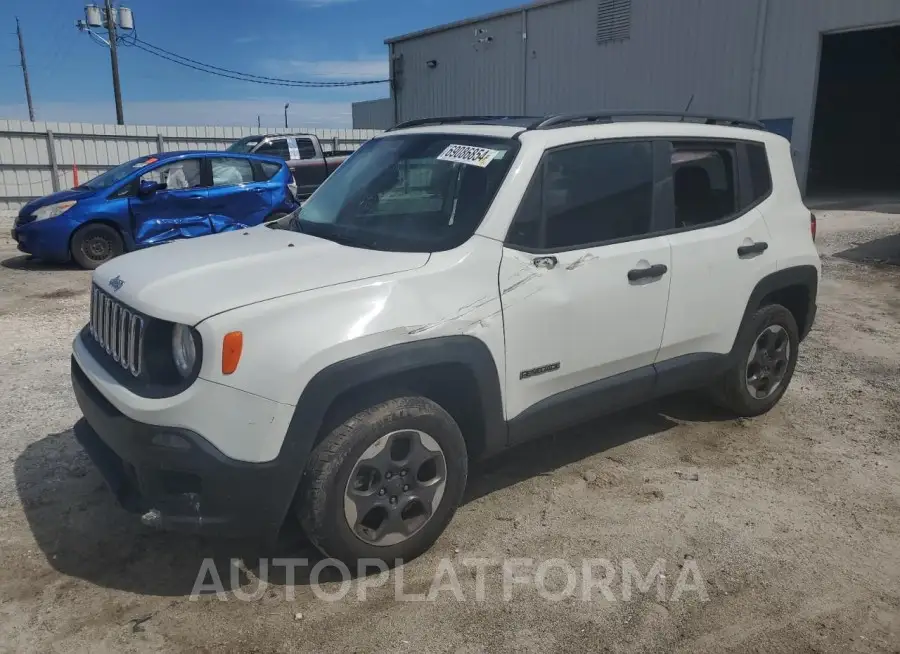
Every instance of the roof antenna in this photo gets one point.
(684, 113)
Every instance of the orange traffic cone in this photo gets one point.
(75, 174)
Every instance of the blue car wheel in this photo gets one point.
(95, 244)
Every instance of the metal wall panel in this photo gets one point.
(472, 75)
(676, 49)
(791, 58)
(27, 171)
(373, 114)
(748, 58)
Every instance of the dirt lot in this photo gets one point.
(793, 519)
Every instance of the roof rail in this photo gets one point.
(526, 121)
(566, 120)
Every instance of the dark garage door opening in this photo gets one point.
(856, 128)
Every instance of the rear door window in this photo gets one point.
(275, 148)
(227, 171)
(705, 181)
(306, 149)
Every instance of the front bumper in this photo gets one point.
(176, 478)
(45, 239)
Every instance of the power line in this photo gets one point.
(238, 75)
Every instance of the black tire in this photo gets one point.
(732, 391)
(95, 244)
(321, 497)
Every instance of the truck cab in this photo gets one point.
(309, 162)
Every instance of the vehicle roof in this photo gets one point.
(502, 131)
(274, 136)
(181, 154)
(629, 128)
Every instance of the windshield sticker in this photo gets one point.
(149, 161)
(469, 155)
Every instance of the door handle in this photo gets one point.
(756, 248)
(637, 274)
(548, 262)
(259, 190)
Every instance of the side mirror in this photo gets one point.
(149, 188)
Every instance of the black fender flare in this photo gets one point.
(331, 382)
(806, 276)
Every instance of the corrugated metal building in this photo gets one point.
(746, 58)
(373, 114)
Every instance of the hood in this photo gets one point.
(191, 280)
(53, 198)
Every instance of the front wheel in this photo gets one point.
(95, 244)
(385, 484)
(765, 358)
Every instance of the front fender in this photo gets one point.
(288, 339)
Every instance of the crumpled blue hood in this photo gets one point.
(53, 198)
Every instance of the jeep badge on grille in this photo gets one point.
(116, 283)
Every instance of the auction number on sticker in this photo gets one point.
(468, 154)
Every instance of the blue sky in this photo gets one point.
(327, 40)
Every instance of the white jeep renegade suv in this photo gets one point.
(458, 286)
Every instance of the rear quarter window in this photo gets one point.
(269, 169)
(760, 175)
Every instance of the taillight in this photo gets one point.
(812, 225)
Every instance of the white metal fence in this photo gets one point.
(39, 158)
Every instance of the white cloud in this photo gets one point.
(336, 115)
(351, 69)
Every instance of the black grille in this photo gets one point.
(118, 330)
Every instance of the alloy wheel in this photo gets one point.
(768, 362)
(395, 487)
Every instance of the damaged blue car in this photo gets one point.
(152, 200)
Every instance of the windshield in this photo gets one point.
(115, 175)
(245, 145)
(409, 193)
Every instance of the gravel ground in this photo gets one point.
(791, 521)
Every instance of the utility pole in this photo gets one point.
(258, 122)
(114, 58)
(286, 105)
(112, 21)
(25, 71)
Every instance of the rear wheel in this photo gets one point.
(385, 483)
(95, 244)
(765, 358)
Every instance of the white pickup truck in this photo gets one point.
(458, 286)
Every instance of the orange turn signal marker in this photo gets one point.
(232, 345)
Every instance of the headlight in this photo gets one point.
(184, 349)
(53, 210)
